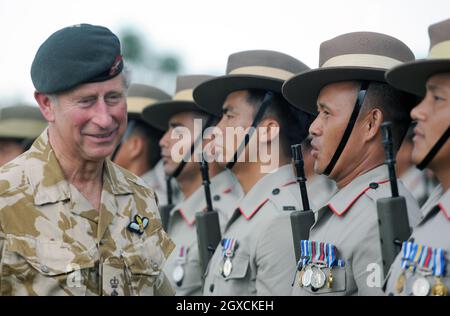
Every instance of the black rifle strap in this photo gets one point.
(434, 150)
(351, 123)
(258, 117)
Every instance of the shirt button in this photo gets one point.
(211, 288)
(374, 185)
(44, 269)
(216, 197)
(276, 191)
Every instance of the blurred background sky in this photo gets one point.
(163, 38)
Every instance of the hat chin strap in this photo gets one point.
(211, 120)
(348, 130)
(258, 117)
(434, 150)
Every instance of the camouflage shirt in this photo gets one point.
(53, 242)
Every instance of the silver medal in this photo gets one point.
(178, 274)
(227, 267)
(421, 287)
(306, 277)
(318, 279)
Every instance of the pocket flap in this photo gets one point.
(47, 256)
(239, 267)
(145, 258)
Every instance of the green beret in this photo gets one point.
(75, 55)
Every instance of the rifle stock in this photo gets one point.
(207, 223)
(301, 221)
(393, 223)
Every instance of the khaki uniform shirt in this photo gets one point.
(349, 221)
(433, 231)
(320, 188)
(415, 181)
(53, 242)
(225, 194)
(263, 258)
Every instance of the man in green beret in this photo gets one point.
(71, 221)
(19, 125)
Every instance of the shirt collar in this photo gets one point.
(44, 173)
(222, 183)
(432, 201)
(444, 204)
(344, 198)
(261, 192)
(47, 178)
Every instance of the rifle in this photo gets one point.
(393, 223)
(164, 210)
(301, 221)
(207, 223)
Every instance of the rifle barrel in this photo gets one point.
(301, 178)
(389, 154)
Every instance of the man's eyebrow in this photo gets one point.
(432, 87)
(175, 125)
(227, 108)
(323, 106)
(84, 96)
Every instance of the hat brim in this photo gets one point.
(412, 77)
(303, 89)
(211, 94)
(159, 114)
(26, 129)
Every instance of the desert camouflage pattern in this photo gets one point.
(53, 242)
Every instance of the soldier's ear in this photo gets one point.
(374, 119)
(268, 130)
(135, 146)
(46, 105)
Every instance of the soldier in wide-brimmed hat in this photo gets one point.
(19, 126)
(422, 268)
(255, 255)
(177, 118)
(351, 99)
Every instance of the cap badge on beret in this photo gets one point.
(116, 65)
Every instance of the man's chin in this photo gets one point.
(318, 169)
(417, 158)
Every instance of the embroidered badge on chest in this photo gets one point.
(138, 225)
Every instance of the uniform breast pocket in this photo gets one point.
(143, 263)
(331, 282)
(32, 266)
(234, 276)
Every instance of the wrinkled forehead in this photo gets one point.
(338, 94)
(117, 84)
